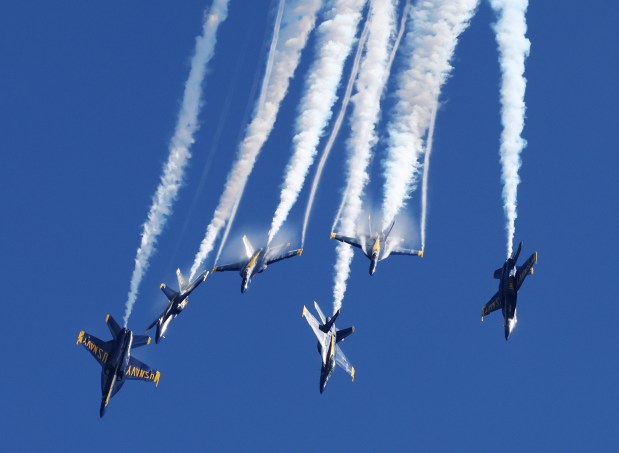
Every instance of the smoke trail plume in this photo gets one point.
(434, 27)
(365, 114)
(298, 20)
(514, 47)
(392, 55)
(426, 175)
(173, 171)
(335, 131)
(335, 37)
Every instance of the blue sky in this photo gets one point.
(90, 96)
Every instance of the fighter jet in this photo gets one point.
(510, 279)
(114, 356)
(257, 261)
(177, 301)
(376, 246)
(328, 337)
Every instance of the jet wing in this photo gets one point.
(492, 305)
(343, 362)
(230, 267)
(526, 269)
(282, 256)
(322, 337)
(348, 240)
(403, 251)
(100, 350)
(140, 371)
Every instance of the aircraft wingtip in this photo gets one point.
(162, 286)
(352, 374)
(304, 311)
(148, 341)
(107, 317)
(300, 252)
(420, 253)
(80, 336)
(332, 236)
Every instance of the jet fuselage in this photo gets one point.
(113, 372)
(255, 265)
(507, 290)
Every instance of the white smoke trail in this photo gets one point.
(173, 171)
(426, 175)
(224, 238)
(298, 20)
(398, 39)
(365, 114)
(514, 47)
(335, 131)
(429, 46)
(335, 37)
(392, 55)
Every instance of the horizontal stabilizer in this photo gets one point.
(343, 333)
(498, 273)
(140, 340)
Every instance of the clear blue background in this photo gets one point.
(90, 94)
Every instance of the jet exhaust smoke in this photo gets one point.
(183, 138)
(365, 114)
(514, 47)
(335, 131)
(298, 20)
(434, 27)
(335, 37)
(392, 55)
(426, 175)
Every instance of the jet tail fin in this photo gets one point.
(326, 327)
(153, 324)
(181, 280)
(388, 231)
(517, 252)
(112, 325)
(249, 250)
(169, 293)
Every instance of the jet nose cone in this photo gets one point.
(102, 410)
(507, 332)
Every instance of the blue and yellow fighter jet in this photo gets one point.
(257, 261)
(376, 246)
(328, 337)
(117, 364)
(177, 301)
(510, 279)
